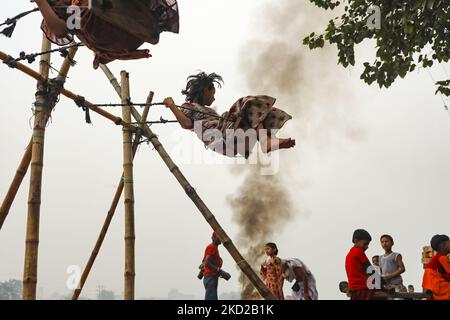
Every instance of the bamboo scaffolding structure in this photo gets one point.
(192, 194)
(190, 191)
(111, 211)
(37, 163)
(130, 235)
(26, 159)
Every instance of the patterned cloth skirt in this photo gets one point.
(251, 111)
(247, 113)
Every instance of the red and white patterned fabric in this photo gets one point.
(117, 33)
(246, 113)
(273, 276)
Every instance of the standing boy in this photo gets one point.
(358, 267)
(391, 264)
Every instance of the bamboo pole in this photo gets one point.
(111, 211)
(26, 159)
(112, 79)
(37, 163)
(130, 236)
(207, 214)
(15, 185)
(192, 194)
(209, 217)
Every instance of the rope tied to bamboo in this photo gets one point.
(54, 89)
(126, 180)
(12, 22)
(147, 141)
(10, 62)
(80, 101)
(190, 191)
(64, 52)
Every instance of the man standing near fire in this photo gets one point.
(212, 264)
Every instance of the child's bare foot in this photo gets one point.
(287, 143)
(276, 144)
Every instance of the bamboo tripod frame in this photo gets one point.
(139, 131)
(26, 159)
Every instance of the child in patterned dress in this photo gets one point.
(272, 271)
(253, 117)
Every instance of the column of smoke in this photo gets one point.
(276, 63)
(261, 207)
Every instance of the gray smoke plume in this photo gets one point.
(276, 63)
(261, 206)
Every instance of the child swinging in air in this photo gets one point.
(112, 29)
(252, 112)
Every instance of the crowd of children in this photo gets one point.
(381, 279)
(367, 281)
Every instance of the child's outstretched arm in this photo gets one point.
(54, 23)
(184, 121)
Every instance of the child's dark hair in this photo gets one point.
(361, 234)
(388, 237)
(273, 246)
(198, 83)
(437, 240)
(378, 257)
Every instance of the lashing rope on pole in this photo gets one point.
(30, 58)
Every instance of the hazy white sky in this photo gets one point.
(394, 178)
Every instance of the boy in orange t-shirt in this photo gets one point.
(436, 277)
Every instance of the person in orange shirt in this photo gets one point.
(212, 264)
(436, 277)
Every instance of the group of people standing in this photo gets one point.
(274, 271)
(365, 279)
